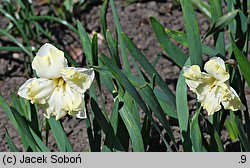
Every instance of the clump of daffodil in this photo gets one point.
(212, 88)
(59, 89)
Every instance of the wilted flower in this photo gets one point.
(60, 89)
(212, 88)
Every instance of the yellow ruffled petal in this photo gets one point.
(79, 79)
(232, 101)
(216, 67)
(36, 90)
(49, 61)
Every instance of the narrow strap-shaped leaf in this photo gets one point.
(55, 19)
(193, 33)
(203, 7)
(2, 31)
(11, 144)
(133, 92)
(243, 62)
(183, 111)
(22, 124)
(242, 135)
(145, 131)
(161, 96)
(196, 136)
(132, 126)
(215, 141)
(216, 11)
(86, 42)
(111, 140)
(221, 23)
(147, 66)
(181, 38)
(150, 98)
(103, 14)
(119, 33)
(60, 136)
(171, 49)
(113, 48)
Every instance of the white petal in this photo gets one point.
(216, 67)
(65, 100)
(79, 79)
(36, 90)
(212, 100)
(232, 101)
(49, 61)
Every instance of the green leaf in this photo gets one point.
(181, 38)
(196, 136)
(150, 98)
(215, 141)
(161, 96)
(113, 48)
(55, 19)
(242, 135)
(2, 31)
(203, 7)
(147, 66)
(86, 42)
(111, 141)
(183, 111)
(60, 136)
(132, 91)
(119, 33)
(193, 33)
(114, 115)
(221, 23)
(39, 142)
(145, 131)
(171, 49)
(11, 145)
(243, 62)
(23, 125)
(219, 41)
(132, 126)
(233, 134)
(103, 14)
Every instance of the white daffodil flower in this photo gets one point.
(212, 88)
(60, 89)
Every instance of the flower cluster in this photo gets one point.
(59, 89)
(212, 88)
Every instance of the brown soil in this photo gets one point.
(135, 22)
